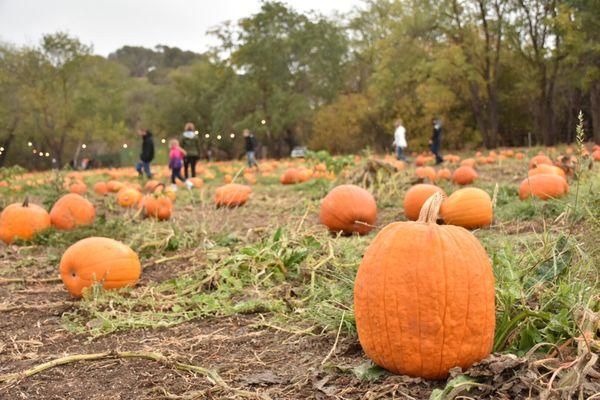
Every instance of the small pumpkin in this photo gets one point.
(547, 169)
(99, 260)
(426, 173)
(543, 186)
(197, 182)
(464, 175)
(22, 221)
(468, 207)
(416, 196)
(468, 162)
(424, 297)
(348, 209)
(114, 186)
(101, 188)
(232, 195)
(72, 210)
(157, 205)
(290, 176)
(128, 197)
(444, 173)
(538, 160)
(151, 185)
(78, 187)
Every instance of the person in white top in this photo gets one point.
(400, 140)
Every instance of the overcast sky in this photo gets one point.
(110, 24)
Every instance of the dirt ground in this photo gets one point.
(243, 356)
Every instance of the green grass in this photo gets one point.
(547, 277)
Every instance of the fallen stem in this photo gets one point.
(211, 375)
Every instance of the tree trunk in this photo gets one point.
(7, 142)
(595, 110)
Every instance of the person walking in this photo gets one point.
(176, 156)
(435, 142)
(400, 140)
(191, 144)
(147, 154)
(250, 144)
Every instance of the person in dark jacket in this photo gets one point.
(250, 145)
(147, 154)
(191, 144)
(435, 142)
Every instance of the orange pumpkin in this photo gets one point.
(426, 173)
(424, 297)
(78, 187)
(416, 196)
(468, 162)
(596, 155)
(547, 169)
(543, 186)
(232, 195)
(128, 197)
(290, 176)
(99, 260)
(72, 210)
(520, 156)
(469, 207)
(114, 186)
(157, 206)
(151, 185)
(444, 173)
(197, 182)
(538, 160)
(348, 209)
(464, 175)
(100, 188)
(22, 221)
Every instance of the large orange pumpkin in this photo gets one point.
(22, 221)
(469, 207)
(464, 175)
(348, 209)
(72, 210)
(416, 196)
(544, 186)
(424, 297)
(547, 169)
(99, 260)
(128, 197)
(232, 195)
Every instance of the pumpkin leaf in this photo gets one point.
(453, 388)
(368, 371)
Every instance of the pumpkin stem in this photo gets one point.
(431, 209)
(26, 201)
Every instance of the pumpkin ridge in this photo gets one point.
(477, 350)
(468, 280)
(443, 252)
(384, 342)
(388, 342)
(418, 308)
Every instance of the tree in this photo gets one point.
(538, 40)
